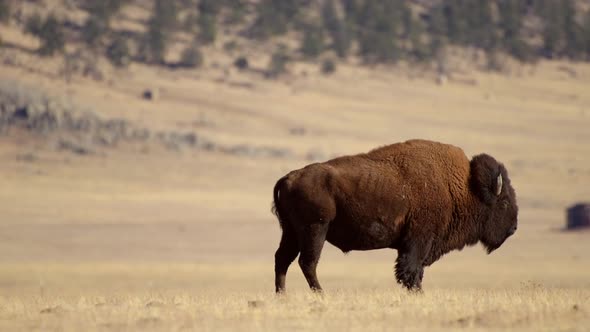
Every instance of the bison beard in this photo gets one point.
(419, 197)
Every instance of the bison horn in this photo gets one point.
(499, 185)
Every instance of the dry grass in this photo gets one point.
(173, 297)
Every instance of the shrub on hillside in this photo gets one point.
(5, 10)
(230, 46)
(33, 24)
(160, 26)
(237, 13)
(328, 66)
(81, 61)
(207, 28)
(209, 7)
(93, 30)
(155, 44)
(241, 63)
(312, 44)
(273, 17)
(278, 63)
(188, 23)
(521, 51)
(342, 40)
(50, 33)
(191, 57)
(118, 52)
(104, 9)
(338, 29)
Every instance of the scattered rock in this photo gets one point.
(118, 127)
(151, 94)
(176, 140)
(52, 310)
(188, 139)
(105, 139)
(297, 131)
(202, 121)
(208, 146)
(241, 63)
(256, 304)
(578, 216)
(72, 147)
(81, 62)
(148, 321)
(152, 304)
(247, 150)
(569, 71)
(10, 59)
(243, 85)
(26, 157)
(465, 81)
(463, 321)
(141, 134)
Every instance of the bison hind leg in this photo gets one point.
(311, 242)
(284, 256)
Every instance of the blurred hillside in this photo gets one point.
(181, 33)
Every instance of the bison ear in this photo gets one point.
(485, 178)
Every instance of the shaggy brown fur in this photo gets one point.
(420, 197)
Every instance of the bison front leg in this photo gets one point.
(311, 242)
(409, 267)
(408, 272)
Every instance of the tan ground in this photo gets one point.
(173, 297)
(185, 240)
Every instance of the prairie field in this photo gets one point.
(174, 297)
(139, 236)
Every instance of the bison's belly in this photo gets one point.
(364, 235)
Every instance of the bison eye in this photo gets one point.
(504, 205)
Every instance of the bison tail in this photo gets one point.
(276, 195)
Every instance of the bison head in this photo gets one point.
(490, 183)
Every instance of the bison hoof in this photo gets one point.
(415, 290)
(317, 290)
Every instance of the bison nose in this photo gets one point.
(512, 230)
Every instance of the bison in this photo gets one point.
(420, 197)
